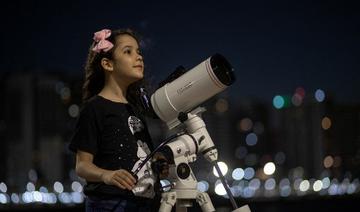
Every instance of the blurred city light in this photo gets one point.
(319, 95)
(30, 186)
(270, 184)
(245, 124)
(58, 187)
(219, 188)
(249, 173)
(222, 105)
(269, 168)
(203, 186)
(223, 168)
(238, 174)
(251, 139)
(304, 185)
(278, 102)
(74, 110)
(3, 187)
(328, 161)
(326, 123)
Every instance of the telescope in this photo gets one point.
(176, 103)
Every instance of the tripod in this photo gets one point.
(182, 179)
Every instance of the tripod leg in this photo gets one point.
(204, 201)
(244, 208)
(168, 200)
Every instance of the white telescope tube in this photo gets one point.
(192, 88)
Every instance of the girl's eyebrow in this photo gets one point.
(129, 46)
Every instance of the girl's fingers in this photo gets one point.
(122, 180)
(116, 183)
(129, 176)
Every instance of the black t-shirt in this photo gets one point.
(118, 139)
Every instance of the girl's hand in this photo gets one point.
(120, 178)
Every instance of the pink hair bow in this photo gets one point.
(102, 43)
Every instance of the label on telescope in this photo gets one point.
(184, 88)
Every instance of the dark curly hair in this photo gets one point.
(94, 74)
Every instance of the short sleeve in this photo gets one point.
(86, 132)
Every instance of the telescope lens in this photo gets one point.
(222, 69)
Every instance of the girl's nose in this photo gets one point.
(139, 57)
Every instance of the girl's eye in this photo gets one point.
(127, 51)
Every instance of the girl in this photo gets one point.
(111, 137)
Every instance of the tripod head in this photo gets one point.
(183, 150)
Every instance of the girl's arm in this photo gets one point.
(86, 169)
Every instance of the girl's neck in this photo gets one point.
(114, 92)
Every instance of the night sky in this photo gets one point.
(274, 46)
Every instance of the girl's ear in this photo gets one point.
(107, 64)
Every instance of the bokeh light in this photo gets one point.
(3, 187)
(219, 188)
(251, 139)
(58, 187)
(74, 111)
(3, 199)
(296, 99)
(245, 124)
(304, 185)
(325, 183)
(278, 102)
(249, 173)
(318, 185)
(76, 186)
(15, 198)
(238, 174)
(203, 186)
(319, 95)
(30, 186)
(326, 123)
(221, 105)
(328, 161)
(270, 184)
(223, 168)
(269, 168)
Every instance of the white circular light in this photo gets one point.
(202, 186)
(3, 187)
(223, 168)
(269, 168)
(317, 186)
(304, 185)
(219, 189)
(238, 174)
(58, 187)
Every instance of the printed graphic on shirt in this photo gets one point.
(146, 179)
(135, 124)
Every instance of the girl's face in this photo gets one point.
(127, 60)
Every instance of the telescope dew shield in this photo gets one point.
(192, 88)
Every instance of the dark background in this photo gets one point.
(275, 47)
